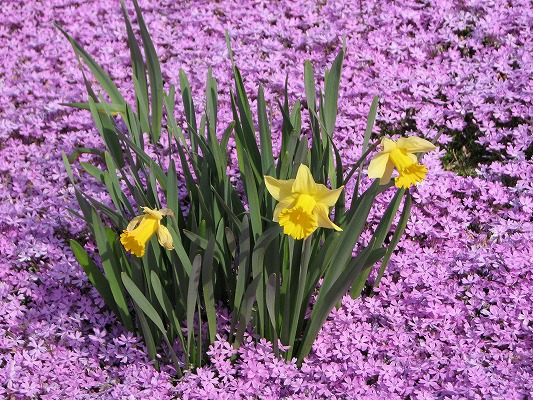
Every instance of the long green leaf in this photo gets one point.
(250, 186)
(192, 296)
(110, 265)
(265, 136)
(271, 298)
(246, 136)
(243, 268)
(245, 310)
(188, 105)
(398, 233)
(327, 298)
(332, 93)
(167, 307)
(139, 73)
(104, 124)
(148, 309)
(148, 334)
(378, 238)
(68, 168)
(94, 274)
(259, 267)
(154, 74)
(368, 132)
(207, 287)
(104, 79)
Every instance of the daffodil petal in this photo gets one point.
(278, 188)
(413, 144)
(327, 196)
(387, 175)
(167, 212)
(413, 157)
(388, 145)
(164, 237)
(134, 222)
(154, 213)
(287, 202)
(304, 182)
(323, 219)
(378, 165)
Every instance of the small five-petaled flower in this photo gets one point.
(141, 229)
(303, 204)
(400, 154)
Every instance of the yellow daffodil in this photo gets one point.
(303, 204)
(141, 229)
(400, 154)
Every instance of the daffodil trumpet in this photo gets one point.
(141, 229)
(303, 204)
(402, 156)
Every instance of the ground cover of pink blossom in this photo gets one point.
(453, 317)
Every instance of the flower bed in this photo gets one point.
(451, 318)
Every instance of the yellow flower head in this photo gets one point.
(303, 204)
(401, 155)
(141, 229)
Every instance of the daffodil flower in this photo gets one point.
(400, 154)
(303, 204)
(141, 229)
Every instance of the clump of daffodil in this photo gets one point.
(400, 154)
(303, 204)
(141, 229)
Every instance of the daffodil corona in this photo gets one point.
(141, 229)
(400, 154)
(303, 204)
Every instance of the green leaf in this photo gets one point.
(104, 80)
(259, 267)
(345, 244)
(192, 296)
(152, 165)
(188, 105)
(243, 269)
(310, 86)
(113, 186)
(102, 108)
(105, 125)
(139, 73)
(378, 238)
(211, 96)
(171, 119)
(148, 309)
(148, 333)
(245, 311)
(265, 136)
(271, 298)
(93, 171)
(327, 298)
(154, 74)
(167, 307)
(78, 151)
(94, 274)
(229, 212)
(245, 137)
(250, 187)
(172, 194)
(368, 132)
(203, 243)
(66, 163)
(110, 265)
(207, 287)
(398, 233)
(332, 93)
(298, 306)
